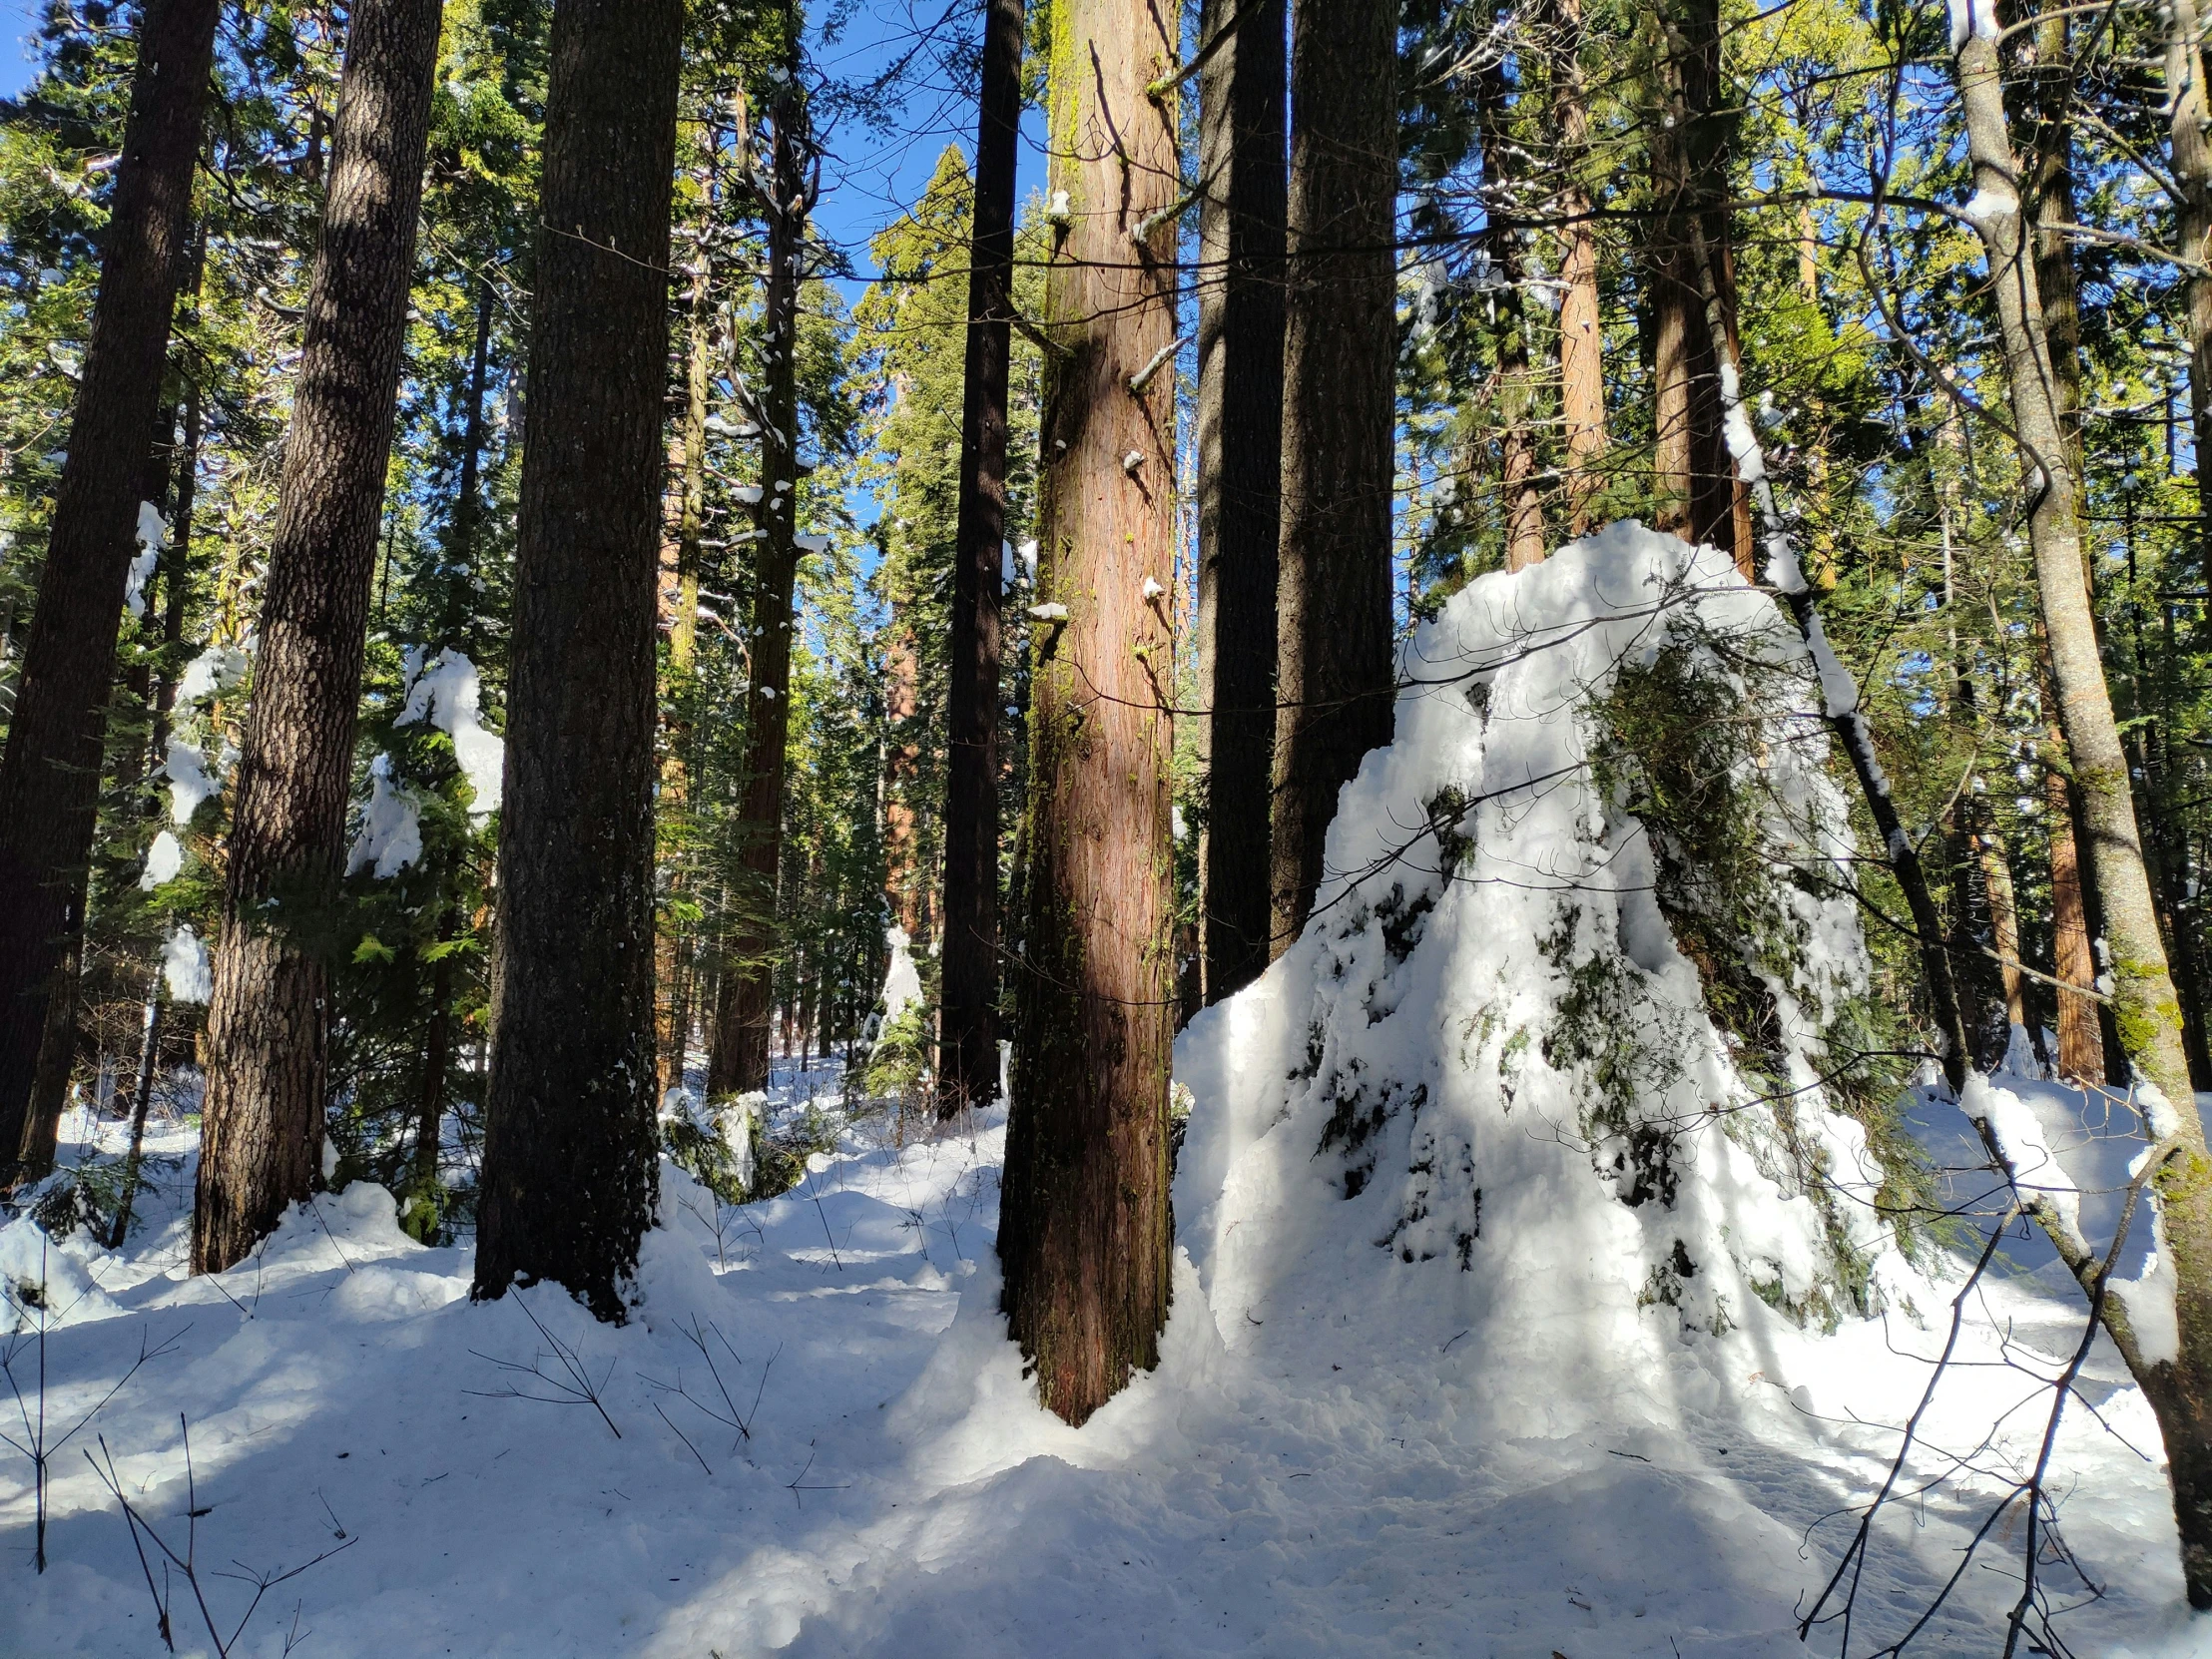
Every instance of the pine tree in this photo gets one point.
(570, 1157)
(968, 1001)
(1333, 684)
(49, 773)
(1241, 90)
(262, 1141)
(1084, 1228)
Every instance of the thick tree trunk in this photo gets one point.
(742, 1053)
(2148, 1015)
(261, 1143)
(569, 1142)
(1333, 678)
(50, 772)
(1581, 326)
(1241, 93)
(2190, 148)
(1516, 387)
(57, 1058)
(967, 1068)
(1084, 1231)
(1695, 488)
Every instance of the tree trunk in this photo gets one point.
(57, 1058)
(2149, 1017)
(570, 1155)
(261, 1143)
(1695, 484)
(1242, 94)
(2191, 153)
(50, 772)
(967, 1069)
(742, 1052)
(1334, 682)
(421, 1215)
(1516, 387)
(2073, 958)
(141, 1101)
(1581, 326)
(1084, 1229)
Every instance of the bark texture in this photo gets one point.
(1240, 94)
(1334, 683)
(741, 1051)
(261, 1145)
(50, 770)
(968, 1070)
(2147, 1013)
(570, 1161)
(1084, 1229)
(1581, 326)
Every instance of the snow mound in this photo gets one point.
(1487, 1081)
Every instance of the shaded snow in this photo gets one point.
(185, 966)
(390, 836)
(450, 695)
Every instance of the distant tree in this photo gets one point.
(570, 1156)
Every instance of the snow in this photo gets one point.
(1383, 1423)
(218, 669)
(185, 966)
(1972, 17)
(164, 858)
(390, 837)
(1990, 204)
(448, 693)
(153, 538)
(903, 981)
(1053, 611)
(2018, 1133)
(190, 782)
(811, 544)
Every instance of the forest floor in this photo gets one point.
(1286, 1482)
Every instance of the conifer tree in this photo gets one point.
(266, 1032)
(49, 771)
(1084, 1228)
(1334, 677)
(570, 1156)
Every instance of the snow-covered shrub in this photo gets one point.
(714, 1142)
(1584, 1002)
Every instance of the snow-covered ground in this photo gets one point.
(1295, 1479)
(1442, 1375)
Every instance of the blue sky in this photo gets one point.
(16, 21)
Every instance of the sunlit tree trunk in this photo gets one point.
(1084, 1229)
(1333, 680)
(2148, 1015)
(49, 770)
(262, 1140)
(570, 1164)
(1581, 324)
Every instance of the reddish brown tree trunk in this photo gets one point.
(1334, 682)
(570, 1150)
(261, 1143)
(50, 772)
(968, 997)
(1084, 1228)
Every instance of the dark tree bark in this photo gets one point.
(141, 1101)
(968, 998)
(1333, 680)
(1084, 1229)
(57, 1058)
(50, 772)
(741, 1055)
(569, 1150)
(261, 1143)
(1241, 93)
